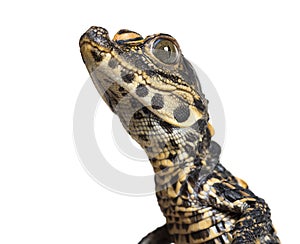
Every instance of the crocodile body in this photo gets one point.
(155, 92)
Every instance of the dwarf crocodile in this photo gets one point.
(156, 93)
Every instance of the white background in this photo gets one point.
(249, 49)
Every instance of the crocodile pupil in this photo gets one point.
(165, 51)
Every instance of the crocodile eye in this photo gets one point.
(165, 51)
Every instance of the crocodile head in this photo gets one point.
(153, 89)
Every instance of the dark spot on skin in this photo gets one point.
(199, 105)
(201, 234)
(172, 156)
(150, 72)
(187, 239)
(134, 103)
(193, 178)
(113, 63)
(170, 226)
(174, 144)
(220, 227)
(141, 90)
(127, 77)
(181, 113)
(145, 110)
(232, 195)
(200, 147)
(184, 192)
(121, 89)
(150, 124)
(96, 56)
(197, 162)
(217, 176)
(185, 226)
(153, 160)
(157, 101)
(137, 115)
(166, 126)
(161, 167)
(144, 137)
(186, 203)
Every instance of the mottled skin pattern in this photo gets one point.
(156, 94)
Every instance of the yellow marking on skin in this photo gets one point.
(229, 185)
(179, 201)
(245, 194)
(213, 181)
(161, 156)
(196, 114)
(202, 195)
(127, 36)
(247, 199)
(182, 177)
(171, 192)
(87, 44)
(242, 183)
(206, 187)
(204, 210)
(190, 188)
(241, 219)
(207, 214)
(185, 209)
(211, 129)
(213, 233)
(167, 163)
(178, 186)
(201, 225)
(203, 162)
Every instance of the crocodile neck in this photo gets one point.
(173, 152)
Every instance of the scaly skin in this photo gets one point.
(156, 94)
